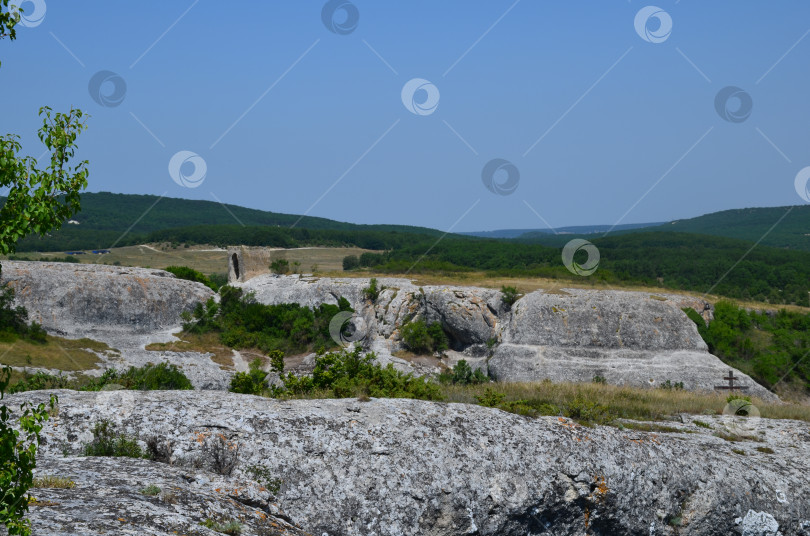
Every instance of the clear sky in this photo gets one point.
(603, 118)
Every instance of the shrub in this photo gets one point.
(677, 386)
(242, 322)
(422, 338)
(599, 379)
(108, 441)
(39, 381)
(509, 295)
(280, 266)
(253, 382)
(348, 373)
(190, 274)
(276, 361)
(157, 450)
(160, 377)
(588, 411)
(463, 374)
(372, 292)
(491, 398)
(19, 442)
(351, 262)
(151, 490)
(220, 454)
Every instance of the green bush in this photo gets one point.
(108, 441)
(345, 374)
(588, 411)
(372, 291)
(190, 274)
(351, 262)
(463, 374)
(509, 295)
(677, 386)
(39, 381)
(160, 377)
(771, 348)
(151, 490)
(253, 382)
(491, 398)
(422, 338)
(280, 266)
(242, 322)
(19, 441)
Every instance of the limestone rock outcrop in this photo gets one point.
(404, 467)
(628, 338)
(77, 299)
(108, 498)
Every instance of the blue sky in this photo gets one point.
(601, 125)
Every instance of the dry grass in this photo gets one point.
(201, 343)
(53, 482)
(56, 353)
(624, 402)
(206, 259)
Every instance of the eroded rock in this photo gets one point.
(404, 467)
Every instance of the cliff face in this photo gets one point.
(78, 299)
(403, 467)
(628, 338)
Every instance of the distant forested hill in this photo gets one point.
(109, 219)
(751, 224)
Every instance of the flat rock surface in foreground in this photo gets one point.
(108, 498)
(403, 467)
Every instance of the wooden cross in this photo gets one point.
(731, 387)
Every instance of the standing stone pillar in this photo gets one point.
(236, 265)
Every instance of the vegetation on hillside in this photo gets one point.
(150, 377)
(355, 373)
(190, 274)
(771, 347)
(671, 260)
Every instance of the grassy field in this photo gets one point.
(208, 260)
(56, 353)
(598, 403)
